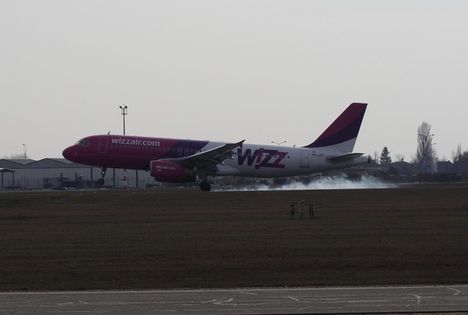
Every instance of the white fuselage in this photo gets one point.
(253, 160)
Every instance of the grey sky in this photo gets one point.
(232, 70)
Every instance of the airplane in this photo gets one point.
(178, 160)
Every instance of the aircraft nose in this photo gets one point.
(68, 153)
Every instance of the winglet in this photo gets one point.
(343, 130)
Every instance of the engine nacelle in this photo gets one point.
(172, 172)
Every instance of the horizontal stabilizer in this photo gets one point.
(344, 158)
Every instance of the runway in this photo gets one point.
(391, 299)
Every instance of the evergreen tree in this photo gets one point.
(385, 158)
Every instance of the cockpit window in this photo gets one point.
(83, 142)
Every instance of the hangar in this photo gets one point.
(57, 173)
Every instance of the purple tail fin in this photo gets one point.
(344, 130)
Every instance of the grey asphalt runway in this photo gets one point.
(401, 299)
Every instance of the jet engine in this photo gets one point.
(172, 172)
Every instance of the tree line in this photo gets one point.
(426, 156)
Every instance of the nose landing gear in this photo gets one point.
(100, 181)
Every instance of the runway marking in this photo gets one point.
(248, 293)
(352, 301)
(457, 292)
(228, 300)
(216, 302)
(417, 297)
(367, 301)
(33, 301)
(292, 298)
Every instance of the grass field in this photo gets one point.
(188, 239)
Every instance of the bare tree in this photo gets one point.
(16, 156)
(456, 155)
(425, 154)
(399, 157)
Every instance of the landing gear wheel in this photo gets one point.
(101, 180)
(205, 186)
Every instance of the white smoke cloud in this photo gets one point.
(336, 182)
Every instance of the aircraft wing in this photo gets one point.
(208, 160)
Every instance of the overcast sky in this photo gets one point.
(232, 70)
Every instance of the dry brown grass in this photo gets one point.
(189, 239)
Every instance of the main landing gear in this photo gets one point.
(205, 186)
(100, 181)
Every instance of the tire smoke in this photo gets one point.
(323, 182)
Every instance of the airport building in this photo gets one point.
(52, 173)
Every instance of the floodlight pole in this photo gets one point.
(123, 109)
(124, 112)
